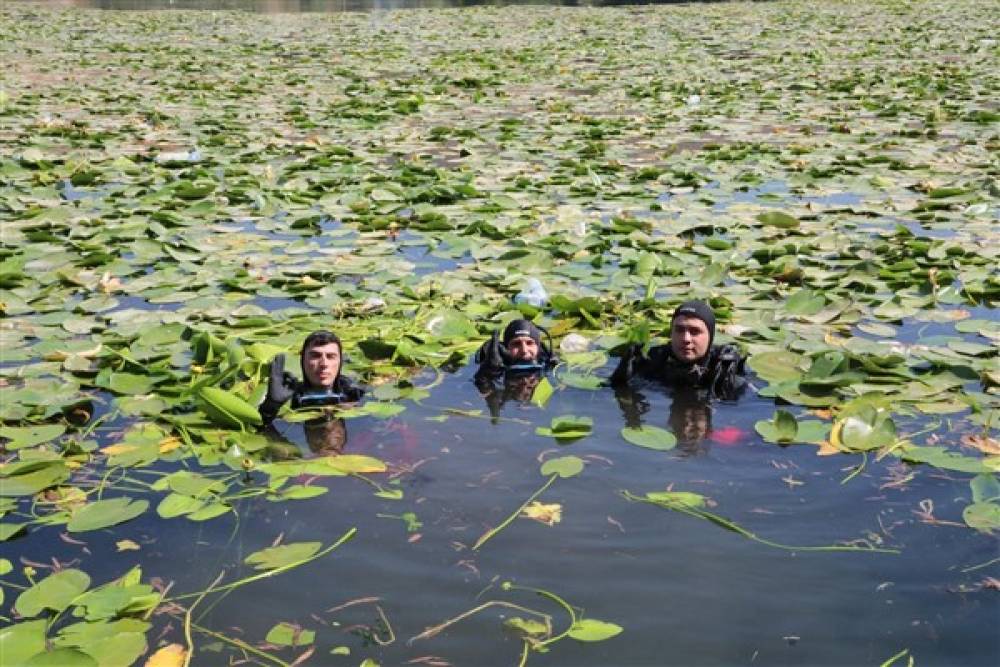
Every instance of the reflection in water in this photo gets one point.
(690, 420)
(690, 416)
(518, 387)
(300, 6)
(325, 436)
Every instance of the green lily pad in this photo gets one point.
(105, 513)
(592, 630)
(272, 558)
(286, 634)
(29, 436)
(567, 427)
(983, 517)
(56, 592)
(564, 466)
(650, 437)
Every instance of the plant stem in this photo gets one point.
(493, 531)
(723, 522)
(278, 570)
(187, 619)
(243, 645)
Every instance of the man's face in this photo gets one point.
(523, 348)
(689, 338)
(321, 364)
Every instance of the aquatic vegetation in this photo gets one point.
(184, 195)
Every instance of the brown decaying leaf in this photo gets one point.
(983, 443)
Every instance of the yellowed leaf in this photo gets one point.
(171, 655)
(549, 514)
(169, 444)
(822, 413)
(126, 545)
(826, 448)
(120, 448)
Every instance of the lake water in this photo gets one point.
(686, 591)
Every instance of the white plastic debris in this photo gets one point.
(573, 343)
(533, 294)
(693, 100)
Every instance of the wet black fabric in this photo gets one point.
(342, 391)
(722, 371)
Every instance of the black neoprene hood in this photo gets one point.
(519, 328)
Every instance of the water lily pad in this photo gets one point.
(105, 513)
(776, 366)
(564, 466)
(592, 630)
(272, 558)
(984, 517)
(567, 427)
(56, 592)
(650, 437)
(286, 634)
(29, 436)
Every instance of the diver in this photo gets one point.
(323, 384)
(512, 366)
(690, 359)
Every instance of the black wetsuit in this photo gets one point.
(342, 391)
(722, 372)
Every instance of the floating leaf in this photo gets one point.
(29, 436)
(776, 366)
(650, 437)
(984, 517)
(280, 556)
(105, 513)
(781, 429)
(56, 592)
(778, 219)
(564, 466)
(527, 626)
(567, 427)
(286, 634)
(542, 392)
(591, 630)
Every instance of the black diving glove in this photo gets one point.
(281, 386)
(626, 365)
(492, 354)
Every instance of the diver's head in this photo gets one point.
(322, 359)
(692, 330)
(523, 341)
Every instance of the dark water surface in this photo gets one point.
(686, 591)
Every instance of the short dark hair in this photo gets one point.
(319, 338)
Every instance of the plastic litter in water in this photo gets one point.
(573, 343)
(533, 294)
